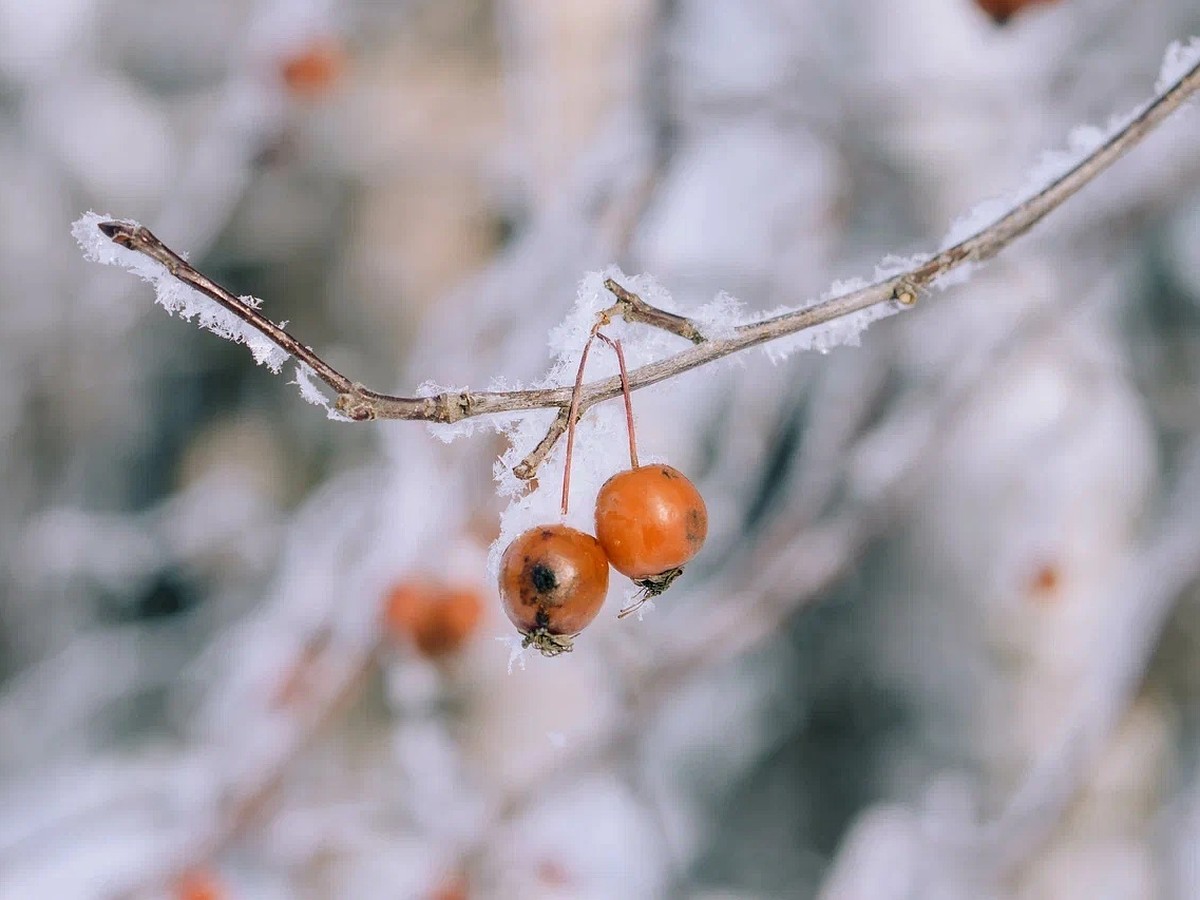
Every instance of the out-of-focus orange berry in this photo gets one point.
(553, 874)
(1044, 583)
(199, 884)
(1003, 10)
(313, 69)
(453, 888)
(437, 619)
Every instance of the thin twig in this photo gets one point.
(361, 404)
(141, 239)
(527, 468)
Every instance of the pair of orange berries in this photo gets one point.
(650, 520)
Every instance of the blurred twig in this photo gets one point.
(361, 403)
(249, 800)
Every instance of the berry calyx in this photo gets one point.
(650, 521)
(553, 581)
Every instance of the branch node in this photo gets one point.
(464, 403)
(355, 406)
(906, 292)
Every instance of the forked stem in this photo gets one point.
(573, 412)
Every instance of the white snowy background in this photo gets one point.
(943, 639)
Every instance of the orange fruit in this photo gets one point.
(553, 581)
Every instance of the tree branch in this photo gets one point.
(361, 404)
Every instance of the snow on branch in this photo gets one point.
(174, 295)
(837, 318)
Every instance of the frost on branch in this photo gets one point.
(720, 317)
(1177, 62)
(174, 296)
(312, 394)
(1082, 142)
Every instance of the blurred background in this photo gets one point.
(942, 640)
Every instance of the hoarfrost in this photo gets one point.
(174, 296)
(516, 653)
(1082, 142)
(720, 317)
(1179, 59)
(312, 394)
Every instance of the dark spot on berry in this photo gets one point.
(543, 578)
(667, 473)
(543, 619)
(547, 533)
(695, 526)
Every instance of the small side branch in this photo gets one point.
(633, 308)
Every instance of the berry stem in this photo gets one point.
(616, 345)
(572, 415)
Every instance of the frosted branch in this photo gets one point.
(896, 287)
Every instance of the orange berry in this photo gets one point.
(404, 607)
(438, 619)
(553, 874)
(458, 615)
(1043, 585)
(198, 884)
(650, 521)
(453, 888)
(312, 70)
(1003, 10)
(553, 581)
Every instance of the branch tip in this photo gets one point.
(112, 229)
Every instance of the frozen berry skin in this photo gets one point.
(553, 581)
(650, 521)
